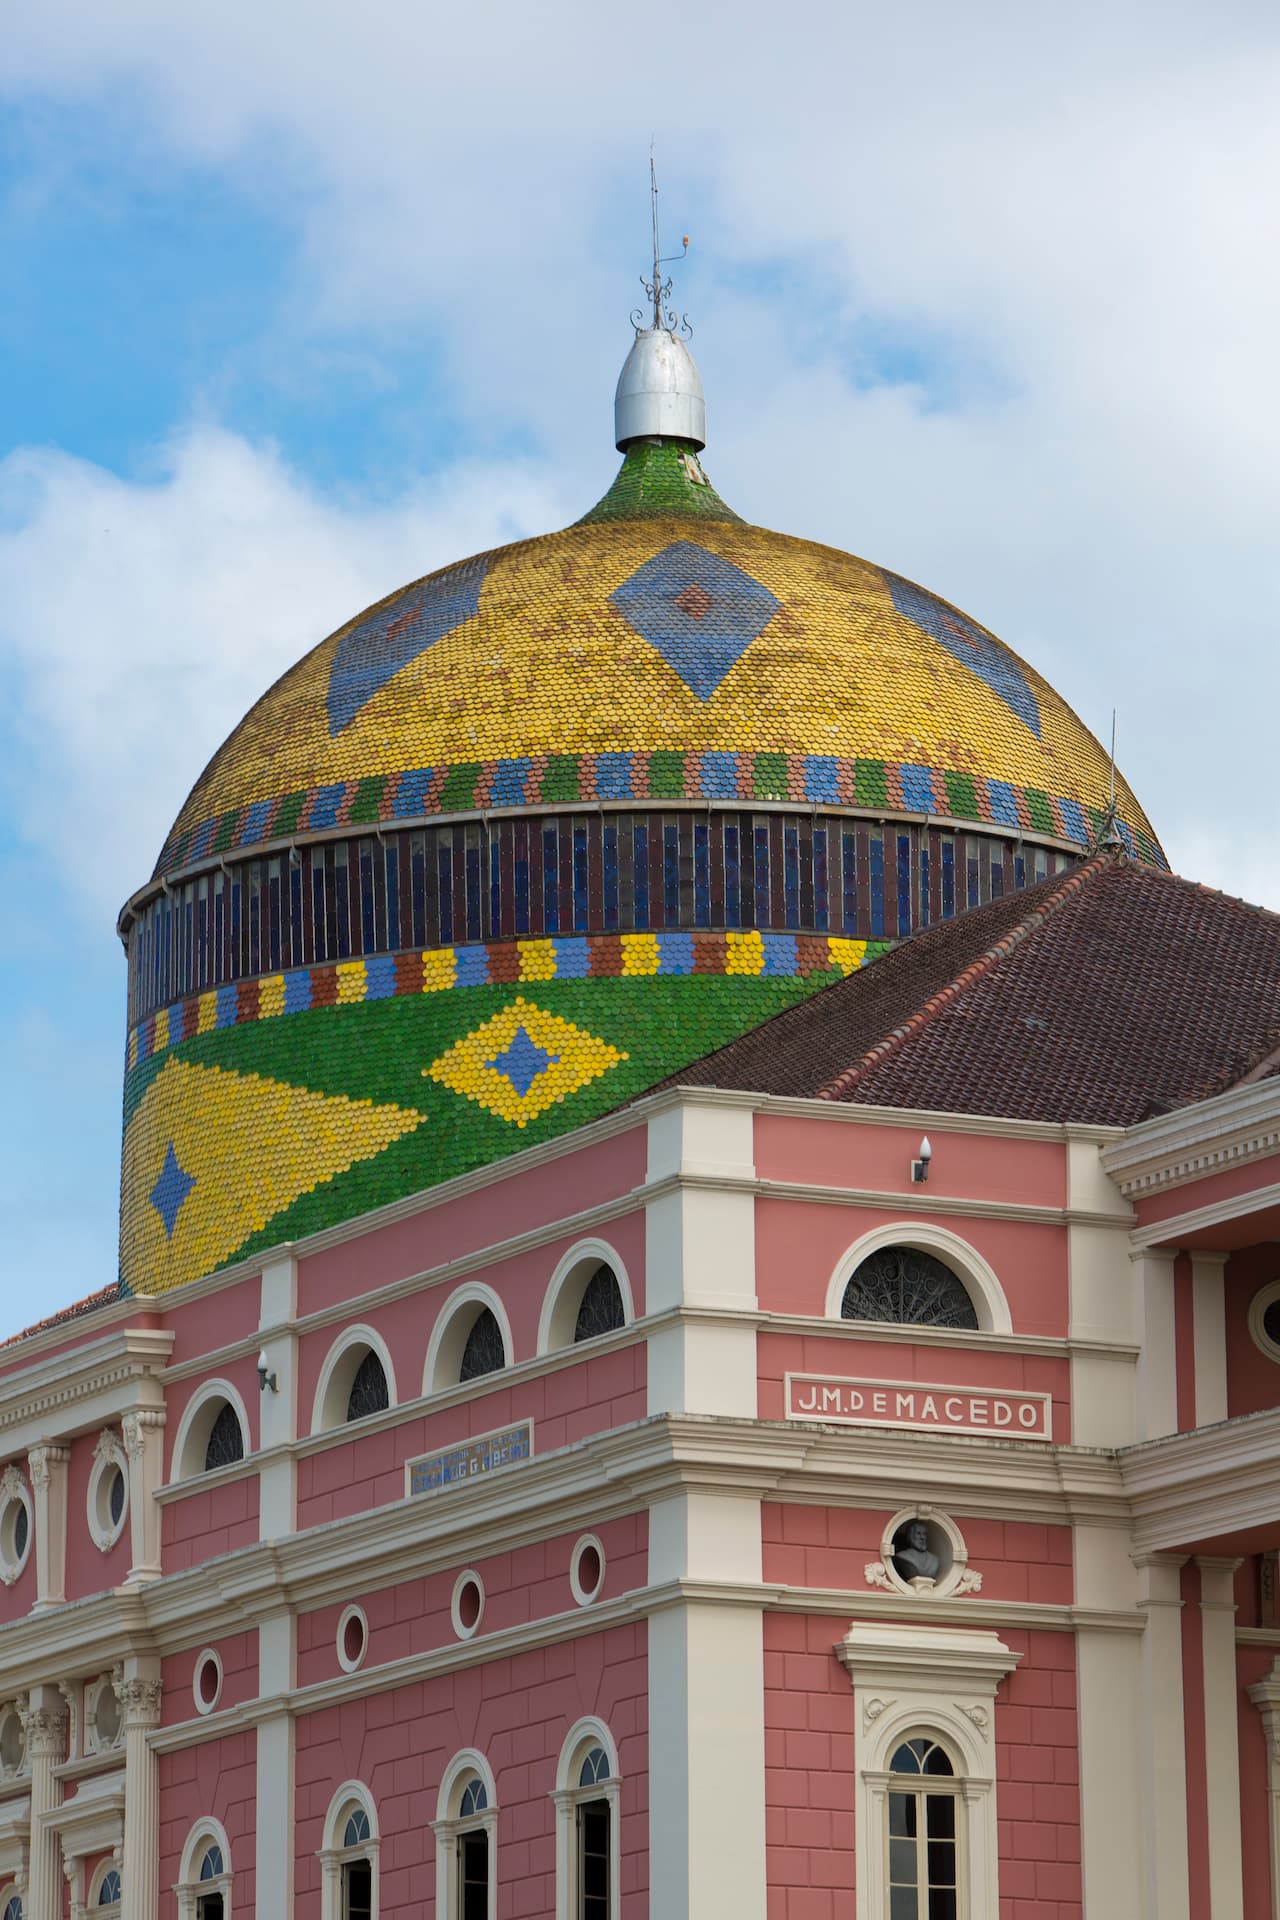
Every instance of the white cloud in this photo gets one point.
(141, 619)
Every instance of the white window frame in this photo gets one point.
(95, 1742)
(450, 1333)
(333, 1855)
(337, 1375)
(568, 1797)
(111, 1911)
(190, 1888)
(448, 1825)
(568, 1284)
(108, 1454)
(196, 1424)
(939, 1682)
(976, 1274)
(14, 1492)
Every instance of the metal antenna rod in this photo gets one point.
(657, 275)
(1113, 763)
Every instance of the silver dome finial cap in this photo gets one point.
(659, 392)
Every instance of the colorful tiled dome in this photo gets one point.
(532, 832)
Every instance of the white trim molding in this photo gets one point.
(568, 1796)
(1175, 1148)
(567, 1285)
(189, 1887)
(453, 1325)
(196, 1424)
(1265, 1297)
(1265, 1695)
(978, 1276)
(334, 1855)
(938, 1681)
(15, 1497)
(450, 1823)
(109, 1457)
(341, 1364)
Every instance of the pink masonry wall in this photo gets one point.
(594, 1395)
(89, 1570)
(798, 1245)
(515, 1711)
(215, 1778)
(843, 1356)
(518, 1202)
(810, 1783)
(214, 1320)
(830, 1547)
(406, 1325)
(1253, 1378)
(1253, 1664)
(531, 1583)
(875, 1155)
(204, 1525)
(238, 1653)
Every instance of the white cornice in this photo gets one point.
(1174, 1148)
(1204, 1484)
(93, 1382)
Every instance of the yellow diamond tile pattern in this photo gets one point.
(522, 1061)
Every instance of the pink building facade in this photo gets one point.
(552, 1545)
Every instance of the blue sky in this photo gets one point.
(298, 304)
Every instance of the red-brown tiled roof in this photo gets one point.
(105, 1297)
(1100, 996)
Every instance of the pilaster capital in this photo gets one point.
(139, 1426)
(46, 1731)
(42, 1461)
(139, 1700)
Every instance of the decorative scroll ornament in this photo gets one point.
(12, 1484)
(658, 290)
(872, 1709)
(140, 1700)
(46, 1731)
(970, 1581)
(136, 1426)
(979, 1715)
(108, 1448)
(876, 1574)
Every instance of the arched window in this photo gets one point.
(210, 1904)
(484, 1351)
(601, 1309)
(921, 1833)
(12, 1908)
(225, 1444)
(587, 1796)
(911, 1288)
(109, 1889)
(349, 1857)
(369, 1391)
(466, 1833)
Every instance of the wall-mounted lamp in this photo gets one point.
(920, 1167)
(266, 1377)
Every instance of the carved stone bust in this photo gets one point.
(913, 1558)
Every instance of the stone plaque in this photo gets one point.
(469, 1459)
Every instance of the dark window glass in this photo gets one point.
(211, 1865)
(110, 1888)
(226, 1442)
(912, 1288)
(601, 1310)
(357, 1890)
(369, 1392)
(13, 1908)
(594, 1841)
(210, 1907)
(1271, 1323)
(473, 1875)
(484, 1351)
(115, 1497)
(21, 1531)
(922, 1836)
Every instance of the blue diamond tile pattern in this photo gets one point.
(699, 611)
(521, 1061)
(170, 1191)
(969, 645)
(389, 638)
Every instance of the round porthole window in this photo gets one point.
(923, 1552)
(207, 1683)
(102, 1715)
(16, 1528)
(586, 1570)
(353, 1639)
(468, 1604)
(108, 1492)
(13, 1742)
(1264, 1319)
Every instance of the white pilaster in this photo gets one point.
(1163, 1740)
(1108, 1688)
(48, 1468)
(1158, 1361)
(45, 1723)
(1221, 1735)
(277, 1480)
(144, 1443)
(1265, 1695)
(1209, 1316)
(275, 1770)
(706, 1716)
(700, 1254)
(139, 1692)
